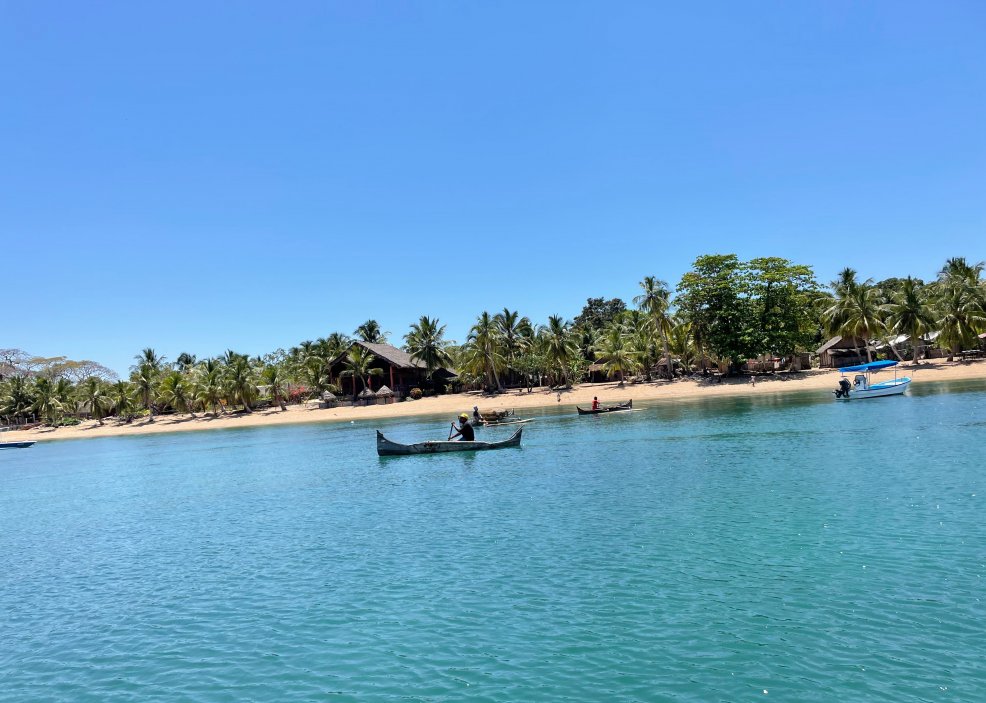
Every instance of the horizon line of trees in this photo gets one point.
(722, 312)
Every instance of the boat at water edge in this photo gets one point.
(862, 386)
(385, 447)
(611, 409)
(17, 445)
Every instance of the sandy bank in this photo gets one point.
(450, 405)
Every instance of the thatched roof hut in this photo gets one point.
(385, 392)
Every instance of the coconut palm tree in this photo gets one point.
(370, 332)
(357, 364)
(615, 351)
(559, 345)
(240, 380)
(274, 380)
(122, 399)
(17, 399)
(185, 362)
(209, 391)
(94, 396)
(145, 379)
(66, 395)
(485, 344)
(426, 343)
(315, 374)
(46, 403)
(656, 302)
(960, 316)
(910, 313)
(149, 357)
(515, 333)
(175, 390)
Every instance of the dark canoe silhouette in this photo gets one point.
(16, 445)
(611, 409)
(387, 448)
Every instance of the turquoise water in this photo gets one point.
(790, 548)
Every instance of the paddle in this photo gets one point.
(450, 431)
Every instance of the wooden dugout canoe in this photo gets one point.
(387, 448)
(611, 409)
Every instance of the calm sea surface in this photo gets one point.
(792, 549)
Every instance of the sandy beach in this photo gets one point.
(681, 389)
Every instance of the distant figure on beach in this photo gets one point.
(464, 430)
(559, 396)
(753, 381)
(475, 414)
(595, 403)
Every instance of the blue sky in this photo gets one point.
(205, 175)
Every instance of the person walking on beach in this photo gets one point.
(464, 430)
(595, 403)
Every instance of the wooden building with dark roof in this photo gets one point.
(400, 373)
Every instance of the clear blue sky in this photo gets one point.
(203, 175)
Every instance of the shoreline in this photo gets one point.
(608, 393)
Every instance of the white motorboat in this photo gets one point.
(862, 385)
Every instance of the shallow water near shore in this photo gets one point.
(777, 547)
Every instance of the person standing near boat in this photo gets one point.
(464, 430)
(475, 414)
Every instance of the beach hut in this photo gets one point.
(329, 399)
(385, 395)
(366, 397)
(400, 372)
(841, 351)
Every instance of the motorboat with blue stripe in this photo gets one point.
(862, 385)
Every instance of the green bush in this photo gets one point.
(416, 393)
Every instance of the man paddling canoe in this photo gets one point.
(464, 430)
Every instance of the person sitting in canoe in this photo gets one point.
(595, 403)
(464, 430)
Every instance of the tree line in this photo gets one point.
(722, 312)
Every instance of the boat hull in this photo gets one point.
(17, 445)
(880, 390)
(385, 447)
(613, 409)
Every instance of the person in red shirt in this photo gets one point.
(595, 403)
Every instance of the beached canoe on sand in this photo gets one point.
(611, 409)
(387, 448)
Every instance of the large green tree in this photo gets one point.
(714, 297)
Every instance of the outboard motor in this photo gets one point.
(843, 390)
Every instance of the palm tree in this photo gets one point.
(209, 386)
(315, 375)
(274, 380)
(559, 345)
(357, 365)
(656, 301)
(66, 395)
(960, 316)
(149, 357)
(16, 400)
(185, 361)
(144, 379)
(854, 309)
(909, 313)
(46, 402)
(370, 332)
(240, 380)
(175, 391)
(122, 397)
(515, 334)
(484, 338)
(426, 343)
(615, 351)
(93, 394)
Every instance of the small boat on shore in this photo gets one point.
(385, 447)
(862, 387)
(611, 409)
(17, 445)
